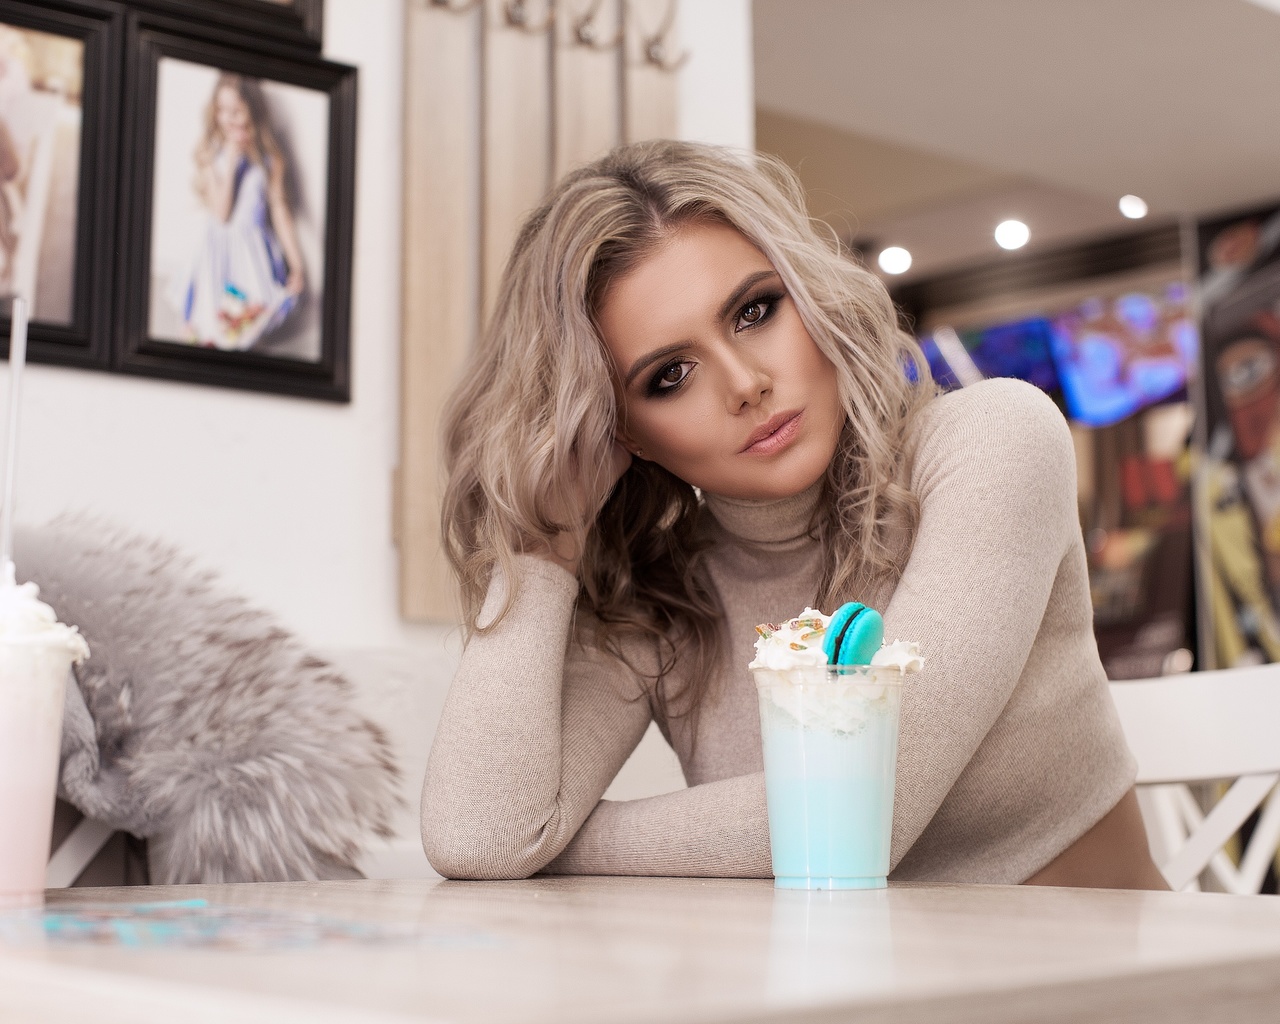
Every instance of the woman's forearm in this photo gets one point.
(527, 742)
(719, 829)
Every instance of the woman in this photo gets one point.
(691, 415)
(248, 271)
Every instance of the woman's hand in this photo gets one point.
(563, 549)
(296, 282)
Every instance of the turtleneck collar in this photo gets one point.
(765, 522)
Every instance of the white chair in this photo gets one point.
(1207, 727)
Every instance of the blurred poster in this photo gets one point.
(1120, 354)
(1239, 497)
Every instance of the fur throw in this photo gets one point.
(200, 723)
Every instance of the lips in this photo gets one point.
(775, 434)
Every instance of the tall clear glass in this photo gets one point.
(33, 680)
(830, 747)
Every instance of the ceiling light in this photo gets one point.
(895, 260)
(1133, 207)
(1012, 234)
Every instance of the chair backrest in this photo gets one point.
(1202, 727)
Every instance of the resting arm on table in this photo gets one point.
(527, 742)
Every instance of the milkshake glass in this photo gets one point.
(36, 655)
(830, 747)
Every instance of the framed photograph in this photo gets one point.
(238, 263)
(290, 21)
(60, 67)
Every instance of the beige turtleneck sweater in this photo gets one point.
(1010, 748)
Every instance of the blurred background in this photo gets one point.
(1083, 196)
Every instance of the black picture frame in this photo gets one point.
(298, 22)
(135, 351)
(100, 26)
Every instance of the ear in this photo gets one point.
(626, 440)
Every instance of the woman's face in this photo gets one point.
(719, 381)
(233, 118)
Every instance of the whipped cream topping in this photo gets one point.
(24, 618)
(904, 655)
(796, 643)
(795, 684)
(830, 706)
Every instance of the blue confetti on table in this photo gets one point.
(199, 924)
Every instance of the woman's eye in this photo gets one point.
(671, 376)
(755, 312)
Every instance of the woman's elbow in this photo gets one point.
(478, 850)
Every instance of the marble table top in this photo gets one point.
(603, 950)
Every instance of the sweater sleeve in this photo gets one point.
(995, 474)
(529, 739)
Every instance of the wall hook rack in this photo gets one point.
(455, 6)
(656, 47)
(518, 16)
(587, 32)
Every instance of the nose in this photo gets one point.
(748, 381)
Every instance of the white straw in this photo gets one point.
(17, 360)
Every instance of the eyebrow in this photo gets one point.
(739, 293)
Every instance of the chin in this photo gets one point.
(766, 487)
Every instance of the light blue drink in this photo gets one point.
(830, 746)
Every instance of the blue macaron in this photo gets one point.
(853, 636)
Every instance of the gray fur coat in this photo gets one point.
(199, 723)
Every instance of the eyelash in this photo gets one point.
(769, 300)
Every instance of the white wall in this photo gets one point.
(717, 84)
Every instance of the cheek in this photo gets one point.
(822, 374)
(678, 434)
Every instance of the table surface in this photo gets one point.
(629, 950)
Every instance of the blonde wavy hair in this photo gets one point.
(531, 426)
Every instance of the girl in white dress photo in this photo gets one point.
(248, 273)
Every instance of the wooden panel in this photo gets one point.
(441, 270)
(588, 82)
(649, 89)
(483, 139)
(516, 130)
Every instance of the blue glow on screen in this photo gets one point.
(1109, 357)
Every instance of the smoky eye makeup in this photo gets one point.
(766, 302)
(669, 378)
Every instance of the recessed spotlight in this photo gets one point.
(1012, 234)
(894, 260)
(1133, 207)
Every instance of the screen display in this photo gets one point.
(1108, 356)
(1018, 349)
(1118, 355)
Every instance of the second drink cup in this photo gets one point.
(36, 655)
